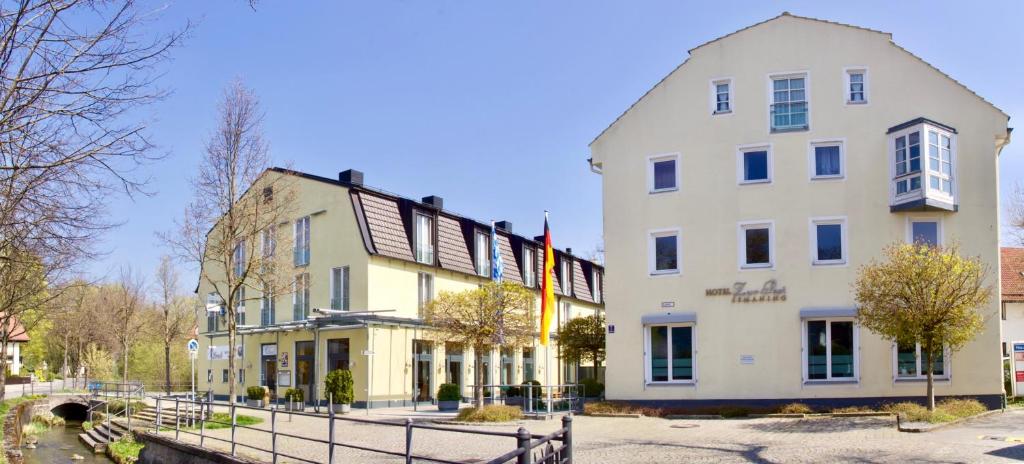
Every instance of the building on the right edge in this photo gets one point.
(743, 192)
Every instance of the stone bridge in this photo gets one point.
(73, 406)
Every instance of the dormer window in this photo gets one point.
(923, 157)
(483, 257)
(423, 237)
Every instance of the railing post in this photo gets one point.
(157, 425)
(330, 428)
(234, 416)
(202, 423)
(529, 398)
(177, 421)
(549, 400)
(523, 443)
(273, 434)
(107, 416)
(567, 441)
(408, 440)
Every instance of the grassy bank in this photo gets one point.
(124, 451)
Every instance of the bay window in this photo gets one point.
(923, 155)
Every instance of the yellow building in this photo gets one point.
(743, 192)
(381, 257)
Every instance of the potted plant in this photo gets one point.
(448, 397)
(255, 397)
(294, 400)
(338, 384)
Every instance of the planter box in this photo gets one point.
(448, 405)
(342, 408)
(290, 406)
(254, 403)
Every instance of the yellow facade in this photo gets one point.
(383, 294)
(757, 351)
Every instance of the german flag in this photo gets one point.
(547, 301)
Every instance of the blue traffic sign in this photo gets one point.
(1018, 347)
(193, 345)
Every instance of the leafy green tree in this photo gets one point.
(99, 364)
(582, 339)
(492, 314)
(927, 295)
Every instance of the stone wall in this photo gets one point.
(13, 421)
(159, 449)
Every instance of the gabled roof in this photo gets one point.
(1011, 275)
(780, 16)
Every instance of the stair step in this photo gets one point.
(97, 447)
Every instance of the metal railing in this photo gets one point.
(117, 389)
(530, 448)
(56, 385)
(537, 399)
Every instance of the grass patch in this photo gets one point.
(795, 408)
(124, 451)
(625, 407)
(852, 409)
(1014, 401)
(222, 420)
(490, 413)
(945, 411)
(87, 426)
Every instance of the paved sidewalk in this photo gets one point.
(651, 440)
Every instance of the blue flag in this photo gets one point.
(497, 269)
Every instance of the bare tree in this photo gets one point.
(126, 299)
(176, 314)
(72, 74)
(230, 228)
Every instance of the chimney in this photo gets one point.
(568, 251)
(435, 201)
(504, 225)
(351, 176)
(539, 238)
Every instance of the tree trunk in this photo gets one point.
(167, 366)
(3, 366)
(931, 378)
(478, 377)
(231, 357)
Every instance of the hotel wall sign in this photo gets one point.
(740, 292)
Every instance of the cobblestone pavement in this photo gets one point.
(650, 440)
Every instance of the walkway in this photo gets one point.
(650, 440)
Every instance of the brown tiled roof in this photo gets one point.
(580, 283)
(385, 224)
(1011, 275)
(508, 260)
(451, 244)
(15, 331)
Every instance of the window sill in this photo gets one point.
(665, 274)
(831, 382)
(678, 383)
(835, 177)
(916, 380)
(716, 113)
(852, 102)
(790, 129)
(756, 267)
(665, 190)
(829, 263)
(755, 181)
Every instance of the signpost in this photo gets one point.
(1017, 366)
(193, 351)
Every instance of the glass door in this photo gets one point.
(304, 369)
(268, 368)
(453, 365)
(423, 359)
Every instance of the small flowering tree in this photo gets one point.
(926, 295)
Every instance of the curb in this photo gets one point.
(611, 414)
(475, 424)
(694, 416)
(932, 428)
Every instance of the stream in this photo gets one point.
(56, 446)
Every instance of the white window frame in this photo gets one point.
(741, 241)
(924, 218)
(420, 236)
(302, 238)
(806, 75)
(595, 281)
(741, 150)
(652, 263)
(812, 161)
(650, 171)
(424, 297)
(238, 258)
(828, 351)
(566, 275)
(713, 86)
(529, 266)
(482, 258)
(344, 270)
(848, 92)
(648, 376)
(926, 166)
(921, 374)
(829, 220)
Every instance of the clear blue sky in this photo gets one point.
(488, 105)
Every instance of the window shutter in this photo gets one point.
(344, 288)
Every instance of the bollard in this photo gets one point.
(523, 442)
(567, 441)
(330, 428)
(408, 440)
(234, 416)
(273, 434)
